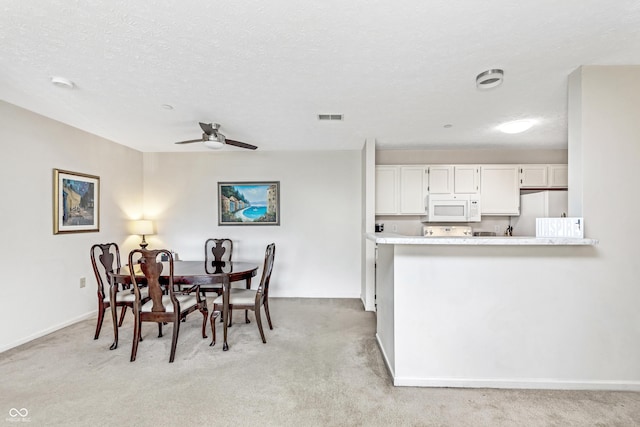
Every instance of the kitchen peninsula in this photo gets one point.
(476, 311)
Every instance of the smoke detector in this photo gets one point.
(62, 82)
(489, 79)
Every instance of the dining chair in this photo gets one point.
(250, 299)
(218, 250)
(166, 304)
(105, 257)
(216, 253)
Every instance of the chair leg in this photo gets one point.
(159, 329)
(246, 317)
(266, 311)
(230, 316)
(123, 310)
(174, 339)
(136, 339)
(214, 316)
(101, 311)
(205, 314)
(259, 322)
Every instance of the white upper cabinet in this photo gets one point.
(466, 179)
(558, 176)
(440, 179)
(543, 176)
(413, 189)
(533, 176)
(454, 179)
(401, 190)
(500, 190)
(387, 190)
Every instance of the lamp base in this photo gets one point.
(144, 243)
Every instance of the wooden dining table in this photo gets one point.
(208, 275)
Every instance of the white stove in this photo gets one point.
(447, 231)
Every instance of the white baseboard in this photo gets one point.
(50, 330)
(386, 359)
(517, 383)
(370, 307)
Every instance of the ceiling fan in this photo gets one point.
(214, 139)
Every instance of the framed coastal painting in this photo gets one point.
(249, 203)
(76, 202)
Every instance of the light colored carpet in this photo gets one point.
(320, 367)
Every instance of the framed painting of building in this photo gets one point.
(249, 203)
(76, 202)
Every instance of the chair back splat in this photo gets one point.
(217, 255)
(218, 250)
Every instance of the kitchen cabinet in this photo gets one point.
(499, 190)
(387, 190)
(440, 179)
(466, 179)
(558, 176)
(401, 190)
(454, 179)
(413, 189)
(543, 176)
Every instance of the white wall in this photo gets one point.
(606, 139)
(318, 244)
(368, 287)
(41, 271)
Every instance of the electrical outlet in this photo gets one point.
(394, 228)
(83, 282)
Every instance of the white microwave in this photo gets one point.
(452, 208)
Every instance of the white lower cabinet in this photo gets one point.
(500, 190)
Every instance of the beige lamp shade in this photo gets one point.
(142, 227)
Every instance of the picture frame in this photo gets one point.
(76, 202)
(249, 203)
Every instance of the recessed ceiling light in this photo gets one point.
(62, 82)
(447, 126)
(516, 126)
(489, 79)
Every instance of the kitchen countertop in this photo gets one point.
(399, 239)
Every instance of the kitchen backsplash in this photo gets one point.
(411, 225)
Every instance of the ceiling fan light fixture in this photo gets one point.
(213, 142)
(489, 79)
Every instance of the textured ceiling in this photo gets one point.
(398, 70)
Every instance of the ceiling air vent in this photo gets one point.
(330, 117)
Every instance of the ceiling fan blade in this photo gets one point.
(207, 128)
(190, 141)
(240, 144)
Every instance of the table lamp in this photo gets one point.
(142, 227)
